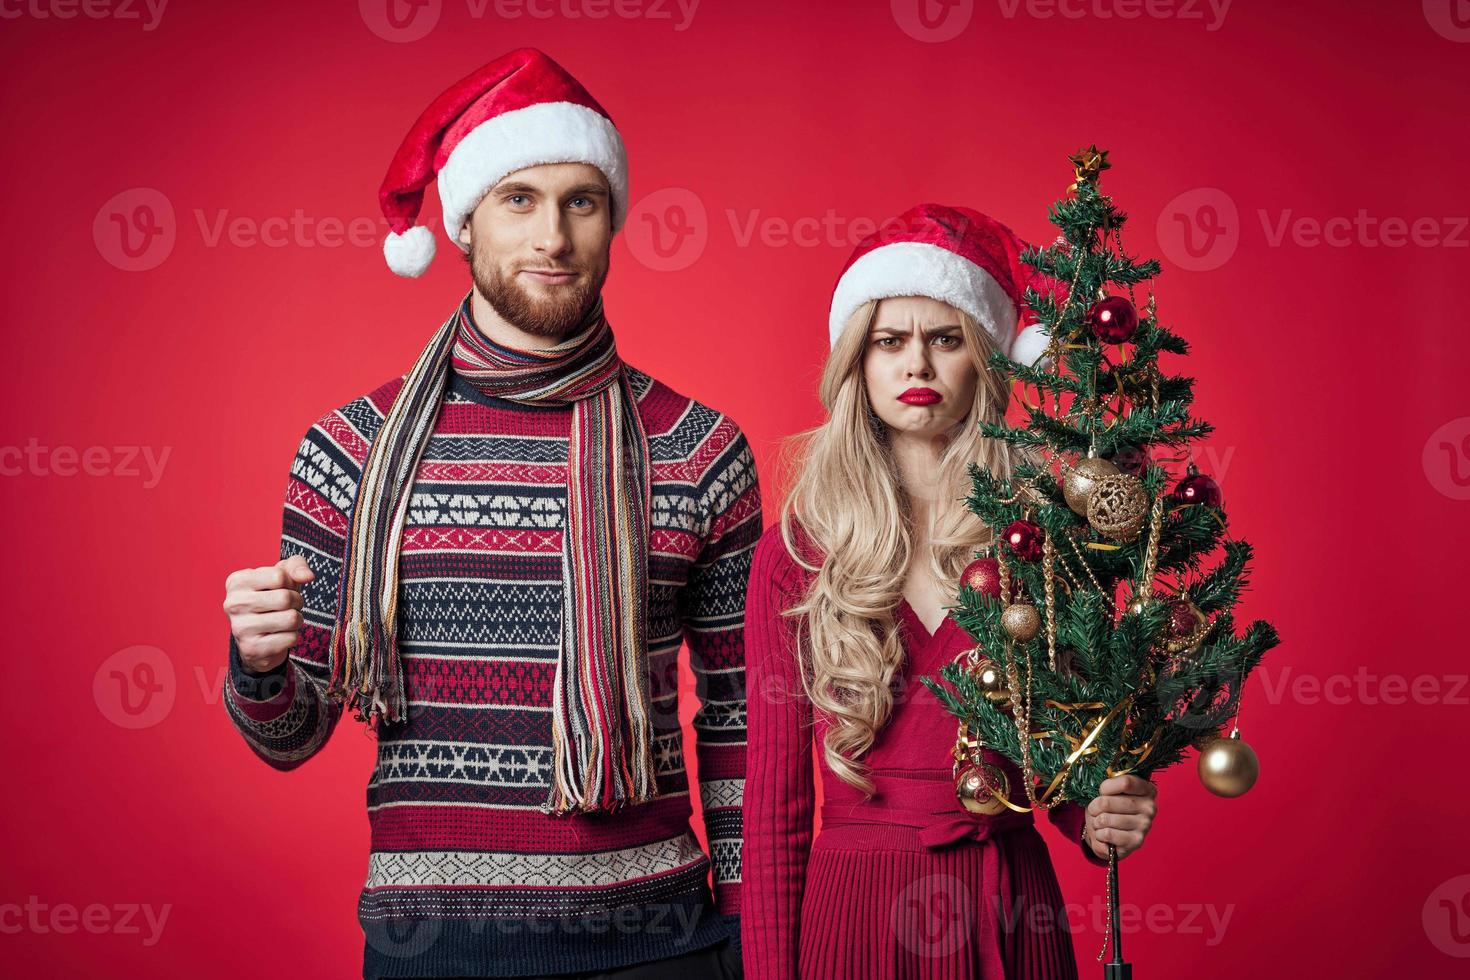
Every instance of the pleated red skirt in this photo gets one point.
(879, 905)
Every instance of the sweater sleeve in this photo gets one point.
(1068, 818)
(283, 713)
(712, 610)
(779, 793)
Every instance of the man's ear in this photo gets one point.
(464, 233)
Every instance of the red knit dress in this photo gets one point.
(908, 884)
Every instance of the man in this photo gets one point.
(493, 561)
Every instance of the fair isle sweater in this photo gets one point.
(467, 875)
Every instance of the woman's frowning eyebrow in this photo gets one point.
(928, 331)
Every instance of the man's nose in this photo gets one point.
(551, 236)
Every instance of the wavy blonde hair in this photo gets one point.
(847, 501)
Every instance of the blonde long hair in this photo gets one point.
(847, 502)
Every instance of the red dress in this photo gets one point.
(908, 884)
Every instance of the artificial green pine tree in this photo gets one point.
(1104, 630)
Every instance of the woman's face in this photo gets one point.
(920, 375)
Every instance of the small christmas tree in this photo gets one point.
(1104, 643)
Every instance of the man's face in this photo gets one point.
(539, 245)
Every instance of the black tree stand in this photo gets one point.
(1117, 968)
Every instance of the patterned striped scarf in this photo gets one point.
(601, 727)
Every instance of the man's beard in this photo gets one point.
(555, 317)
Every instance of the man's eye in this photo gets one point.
(518, 200)
(581, 202)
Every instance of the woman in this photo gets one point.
(846, 610)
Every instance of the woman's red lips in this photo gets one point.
(921, 396)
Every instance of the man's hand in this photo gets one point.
(1121, 815)
(264, 606)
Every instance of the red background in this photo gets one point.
(1328, 370)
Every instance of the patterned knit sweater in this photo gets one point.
(467, 876)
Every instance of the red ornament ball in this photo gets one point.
(1133, 460)
(1024, 537)
(1196, 488)
(983, 576)
(1184, 619)
(1113, 320)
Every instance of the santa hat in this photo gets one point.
(519, 111)
(957, 256)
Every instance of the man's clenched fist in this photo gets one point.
(264, 606)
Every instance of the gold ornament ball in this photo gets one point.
(1117, 507)
(1228, 767)
(1021, 622)
(989, 678)
(977, 788)
(1082, 479)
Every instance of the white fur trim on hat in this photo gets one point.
(1029, 346)
(548, 132)
(410, 253)
(921, 269)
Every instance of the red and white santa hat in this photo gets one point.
(521, 110)
(957, 256)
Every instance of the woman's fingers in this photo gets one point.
(1127, 786)
(1121, 821)
(1125, 841)
(1123, 804)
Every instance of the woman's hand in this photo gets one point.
(1121, 815)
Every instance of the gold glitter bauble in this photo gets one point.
(1228, 767)
(979, 788)
(1021, 622)
(1117, 507)
(1082, 479)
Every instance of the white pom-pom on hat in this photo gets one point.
(410, 253)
